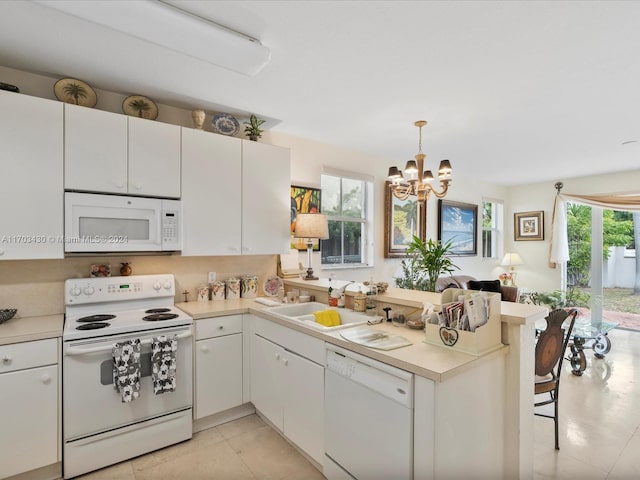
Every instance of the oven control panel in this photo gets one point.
(110, 289)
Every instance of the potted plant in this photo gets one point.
(252, 128)
(572, 297)
(427, 261)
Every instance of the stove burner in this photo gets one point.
(156, 317)
(158, 310)
(93, 326)
(96, 318)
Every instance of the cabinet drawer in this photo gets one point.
(18, 356)
(218, 326)
(298, 342)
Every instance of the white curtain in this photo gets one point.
(559, 249)
(559, 253)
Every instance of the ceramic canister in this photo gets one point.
(203, 293)
(233, 288)
(249, 286)
(217, 290)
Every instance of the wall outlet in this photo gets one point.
(212, 277)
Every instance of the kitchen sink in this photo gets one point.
(304, 313)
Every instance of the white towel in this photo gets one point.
(126, 369)
(163, 363)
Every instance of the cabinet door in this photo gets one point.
(218, 374)
(266, 379)
(95, 150)
(266, 200)
(154, 158)
(31, 196)
(304, 405)
(211, 196)
(29, 402)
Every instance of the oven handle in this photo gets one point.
(106, 348)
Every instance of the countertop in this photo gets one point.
(28, 329)
(434, 362)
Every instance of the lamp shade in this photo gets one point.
(511, 259)
(311, 225)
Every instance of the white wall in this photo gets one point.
(309, 158)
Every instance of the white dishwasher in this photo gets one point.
(368, 418)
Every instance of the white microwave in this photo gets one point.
(115, 223)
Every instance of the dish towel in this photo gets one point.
(163, 363)
(126, 369)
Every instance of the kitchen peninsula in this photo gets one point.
(480, 405)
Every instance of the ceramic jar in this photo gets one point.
(217, 290)
(233, 288)
(249, 286)
(203, 293)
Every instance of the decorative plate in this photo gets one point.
(77, 92)
(271, 286)
(225, 124)
(139, 106)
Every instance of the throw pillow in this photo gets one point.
(485, 285)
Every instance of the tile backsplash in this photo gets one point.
(36, 287)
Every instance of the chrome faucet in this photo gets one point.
(344, 287)
(341, 293)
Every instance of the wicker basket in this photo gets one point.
(7, 314)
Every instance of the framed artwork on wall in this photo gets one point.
(303, 200)
(529, 225)
(402, 220)
(458, 224)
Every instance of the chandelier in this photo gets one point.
(417, 181)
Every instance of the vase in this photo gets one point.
(253, 138)
(198, 118)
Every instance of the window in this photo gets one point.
(346, 200)
(492, 225)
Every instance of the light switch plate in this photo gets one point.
(212, 277)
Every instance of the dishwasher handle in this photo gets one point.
(70, 351)
(386, 380)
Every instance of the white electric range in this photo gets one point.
(99, 428)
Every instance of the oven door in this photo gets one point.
(90, 402)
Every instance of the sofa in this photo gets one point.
(467, 282)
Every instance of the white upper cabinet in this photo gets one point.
(113, 153)
(235, 196)
(31, 197)
(211, 198)
(266, 198)
(154, 158)
(95, 144)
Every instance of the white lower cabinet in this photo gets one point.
(287, 388)
(29, 402)
(218, 365)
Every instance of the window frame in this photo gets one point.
(496, 229)
(366, 220)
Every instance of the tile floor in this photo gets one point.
(599, 435)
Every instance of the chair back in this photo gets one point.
(552, 342)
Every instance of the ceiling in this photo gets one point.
(515, 92)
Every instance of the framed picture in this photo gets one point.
(303, 200)
(402, 220)
(458, 224)
(529, 225)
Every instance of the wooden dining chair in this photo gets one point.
(550, 347)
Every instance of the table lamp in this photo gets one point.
(511, 260)
(311, 226)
